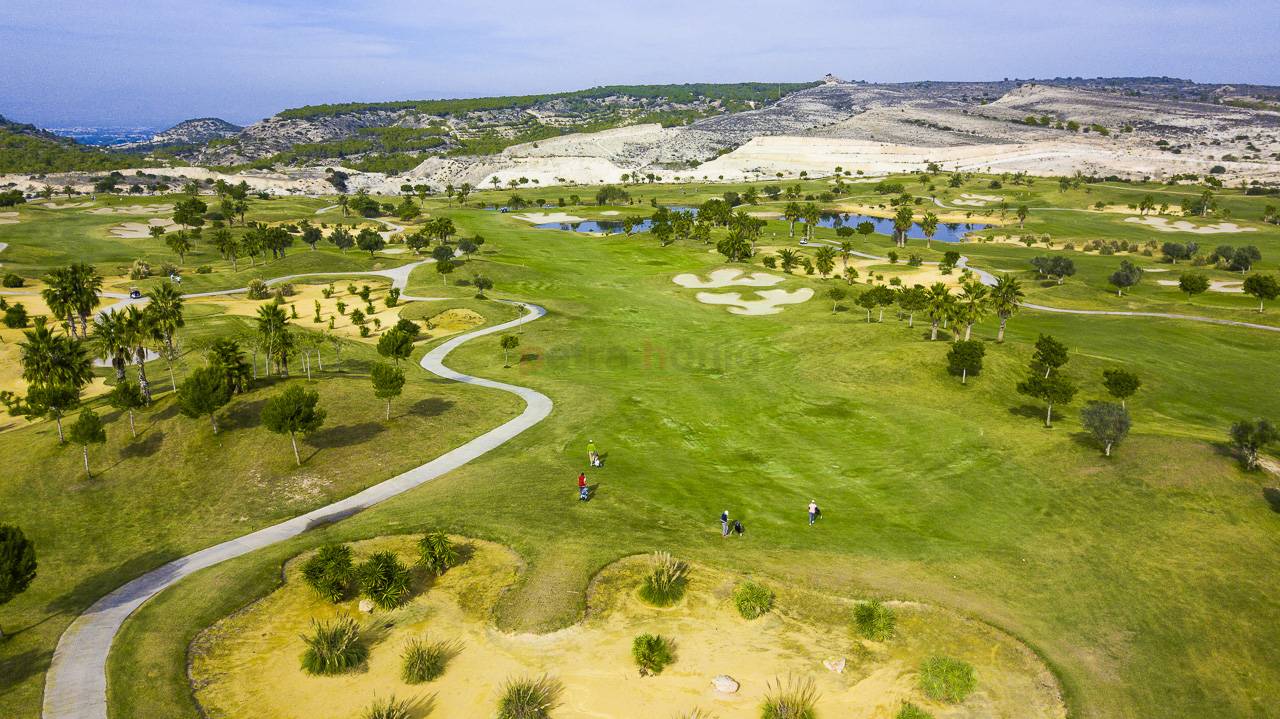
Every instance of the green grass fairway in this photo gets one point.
(1145, 580)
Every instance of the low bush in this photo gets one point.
(384, 580)
(752, 599)
(665, 583)
(424, 661)
(328, 571)
(258, 289)
(911, 711)
(946, 679)
(529, 698)
(652, 653)
(874, 620)
(389, 708)
(13, 280)
(15, 316)
(333, 647)
(203, 270)
(437, 553)
(793, 699)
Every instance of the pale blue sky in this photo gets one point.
(151, 62)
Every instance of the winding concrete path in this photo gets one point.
(76, 683)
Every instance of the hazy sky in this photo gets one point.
(151, 62)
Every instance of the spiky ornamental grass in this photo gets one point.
(792, 699)
(529, 698)
(384, 580)
(333, 647)
(424, 661)
(652, 653)
(874, 620)
(946, 679)
(752, 599)
(666, 581)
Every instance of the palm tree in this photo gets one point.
(54, 366)
(342, 202)
(112, 337)
(788, 259)
(901, 224)
(846, 250)
(142, 334)
(271, 328)
(973, 305)
(939, 308)
(791, 213)
(1005, 298)
(929, 226)
(825, 260)
(166, 307)
(60, 295)
(811, 215)
(86, 283)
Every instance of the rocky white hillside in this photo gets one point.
(188, 133)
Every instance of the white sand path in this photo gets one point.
(8, 218)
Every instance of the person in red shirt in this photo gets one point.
(582, 486)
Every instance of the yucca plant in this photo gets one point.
(752, 599)
(652, 653)
(385, 580)
(946, 679)
(389, 708)
(424, 661)
(665, 583)
(529, 698)
(328, 571)
(793, 699)
(333, 647)
(695, 714)
(874, 620)
(437, 553)
(911, 711)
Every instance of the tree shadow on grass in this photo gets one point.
(169, 412)
(430, 407)
(145, 446)
(89, 589)
(21, 667)
(1272, 495)
(1037, 411)
(345, 435)
(243, 415)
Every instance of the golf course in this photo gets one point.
(1040, 452)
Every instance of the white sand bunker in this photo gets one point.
(539, 218)
(764, 215)
(1228, 286)
(133, 210)
(393, 251)
(770, 302)
(8, 218)
(611, 212)
(727, 277)
(66, 205)
(141, 231)
(1163, 225)
(970, 200)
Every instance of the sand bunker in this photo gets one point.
(66, 205)
(132, 210)
(969, 200)
(770, 302)
(539, 218)
(141, 231)
(247, 664)
(727, 277)
(1163, 225)
(1227, 286)
(8, 218)
(611, 213)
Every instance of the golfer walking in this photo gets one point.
(813, 511)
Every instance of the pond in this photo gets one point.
(608, 227)
(949, 232)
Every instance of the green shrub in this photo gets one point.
(203, 270)
(911, 711)
(13, 280)
(258, 289)
(791, 700)
(665, 583)
(529, 698)
(652, 653)
(15, 316)
(752, 599)
(389, 708)
(437, 553)
(425, 661)
(328, 571)
(946, 679)
(874, 620)
(333, 647)
(384, 580)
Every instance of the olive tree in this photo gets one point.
(1107, 422)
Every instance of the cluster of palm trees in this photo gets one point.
(72, 293)
(794, 212)
(129, 334)
(971, 305)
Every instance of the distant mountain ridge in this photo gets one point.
(188, 133)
